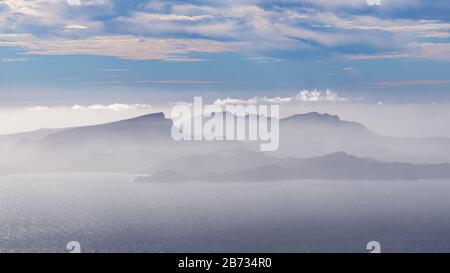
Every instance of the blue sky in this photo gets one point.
(57, 52)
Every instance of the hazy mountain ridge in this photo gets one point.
(151, 126)
(225, 161)
(336, 166)
(143, 144)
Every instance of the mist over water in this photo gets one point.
(112, 213)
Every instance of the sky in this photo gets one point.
(92, 59)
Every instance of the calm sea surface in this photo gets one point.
(111, 213)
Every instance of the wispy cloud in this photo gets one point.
(114, 70)
(263, 59)
(15, 60)
(128, 47)
(174, 30)
(393, 84)
(349, 69)
(436, 51)
(167, 82)
(70, 79)
(184, 82)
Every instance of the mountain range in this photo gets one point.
(336, 166)
(144, 145)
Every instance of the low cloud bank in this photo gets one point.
(302, 96)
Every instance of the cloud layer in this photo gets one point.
(304, 96)
(95, 107)
(174, 30)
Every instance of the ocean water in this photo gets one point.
(112, 213)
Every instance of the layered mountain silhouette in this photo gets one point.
(336, 166)
(221, 162)
(116, 146)
(314, 134)
(136, 131)
(144, 145)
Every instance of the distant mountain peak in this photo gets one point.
(338, 155)
(342, 156)
(148, 117)
(314, 116)
(328, 121)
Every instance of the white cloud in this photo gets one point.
(304, 96)
(171, 17)
(277, 100)
(318, 96)
(95, 107)
(37, 108)
(112, 107)
(75, 27)
(87, 2)
(231, 101)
